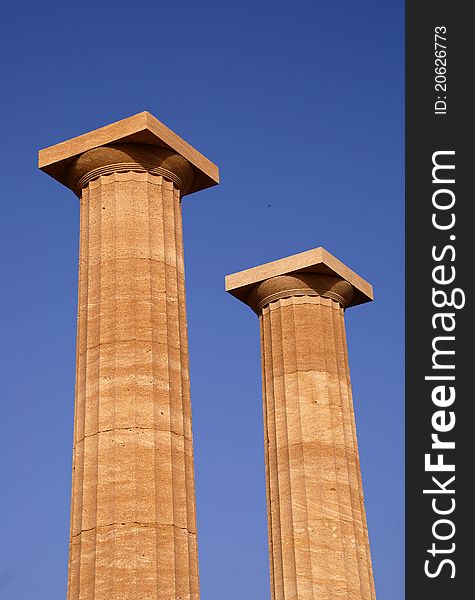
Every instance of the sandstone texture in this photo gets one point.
(318, 537)
(133, 525)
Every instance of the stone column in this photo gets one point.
(133, 525)
(318, 537)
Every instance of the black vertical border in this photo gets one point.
(427, 133)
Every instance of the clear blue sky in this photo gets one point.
(301, 106)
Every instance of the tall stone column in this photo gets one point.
(318, 537)
(133, 525)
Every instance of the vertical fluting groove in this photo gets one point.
(80, 537)
(97, 399)
(277, 398)
(277, 475)
(112, 580)
(88, 367)
(135, 209)
(266, 457)
(286, 468)
(150, 197)
(172, 325)
(183, 342)
(170, 199)
(75, 470)
(169, 382)
(172, 391)
(84, 395)
(80, 509)
(78, 371)
(301, 443)
(95, 396)
(275, 529)
(272, 457)
(78, 465)
(349, 544)
(160, 299)
(180, 390)
(158, 296)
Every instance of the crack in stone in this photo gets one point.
(128, 429)
(131, 524)
(88, 348)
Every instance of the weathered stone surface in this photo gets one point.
(318, 538)
(133, 523)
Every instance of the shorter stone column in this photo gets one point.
(318, 536)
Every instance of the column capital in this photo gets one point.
(311, 273)
(140, 142)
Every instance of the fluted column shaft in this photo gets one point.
(133, 525)
(318, 538)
